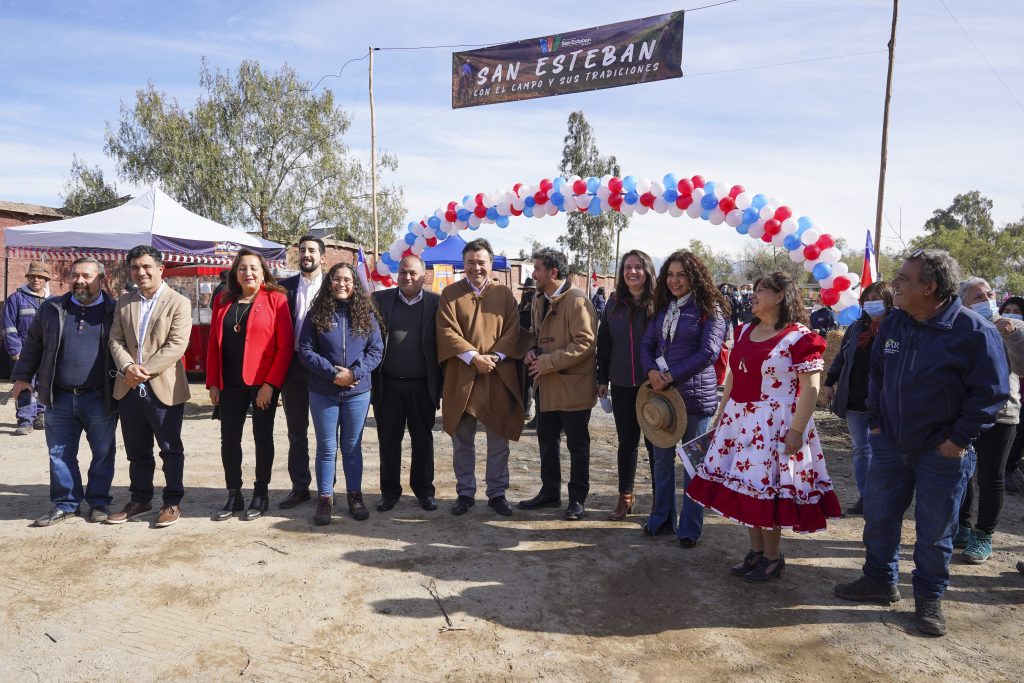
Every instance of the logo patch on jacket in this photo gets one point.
(892, 346)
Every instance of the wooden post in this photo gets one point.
(373, 169)
(885, 137)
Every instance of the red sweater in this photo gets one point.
(269, 341)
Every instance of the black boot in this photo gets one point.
(235, 503)
(257, 507)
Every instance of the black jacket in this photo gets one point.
(386, 301)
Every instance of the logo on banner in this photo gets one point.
(550, 44)
(225, 249)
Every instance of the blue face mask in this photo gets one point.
(988, 309)
(876, 309)
(1013, 316)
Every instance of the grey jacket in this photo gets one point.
(1014, 345)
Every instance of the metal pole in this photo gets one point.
(373, 168)
(885, 137)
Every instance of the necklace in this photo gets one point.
(239, 319)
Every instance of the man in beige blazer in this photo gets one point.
(151, 385)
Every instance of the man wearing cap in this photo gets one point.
(66, 352)
(19, 310)
(562, 364)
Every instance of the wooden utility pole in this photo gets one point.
(373, 169)
(885, 137)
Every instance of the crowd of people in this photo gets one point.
(926, 381)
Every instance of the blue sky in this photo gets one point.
(808, 133)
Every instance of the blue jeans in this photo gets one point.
(894, 479)
(691, 519)
(29, 406)
(329, 417)
(857, 423)
(68, 417)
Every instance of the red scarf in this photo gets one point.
(868, 335)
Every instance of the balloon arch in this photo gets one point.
(754, 215)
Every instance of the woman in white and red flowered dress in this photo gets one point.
(765, 468)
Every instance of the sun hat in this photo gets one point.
(39, 268)
(661, 414)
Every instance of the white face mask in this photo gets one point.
(875, 309)
(1013, 316)
(988, 309)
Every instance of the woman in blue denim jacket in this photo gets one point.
(340, 344)
(846, 384)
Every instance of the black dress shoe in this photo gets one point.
(428, 503)
(540, 501)
(257, 507)
(575, 511)
(462, 505)
(760, 573)
(385, 504)
(297, 495)
(665, 528)
(235, 503)
(501, 505)
(687, 543)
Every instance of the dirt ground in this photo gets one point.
(530, 597)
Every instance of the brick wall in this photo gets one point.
(16, 267)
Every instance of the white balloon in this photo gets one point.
(766, 212)
(829, 256)
(474, 221)
(602, 193)
(775, 203)
(854, 280)
(796, 256)
(827, 282)
(847, 298)
(660, 206)
(778, 238)
(756, 230)
(418, 248)
(809, 237)
(839, 268)
(673, 210)
(734, 218)
(742, 201)
(605, 178)
(716, 217)
(518, 203)
(789, 226)
(657, 189)
(382, 268)
(698, 194)
(809, 265)
(583, 201)
(630, 209)
(550, 209)
(694, 210)
(641, 209)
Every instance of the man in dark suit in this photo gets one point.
(300, 289)
(406, 385)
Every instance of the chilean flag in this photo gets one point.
(363, 271)
(868, 273)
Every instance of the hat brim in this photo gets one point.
(660, 437)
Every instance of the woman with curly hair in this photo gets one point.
(764, 468)
(679, 349)
(250, 349)
(340, 344)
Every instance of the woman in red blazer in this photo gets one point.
(251, 346)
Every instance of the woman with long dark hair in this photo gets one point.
(250, 349)
(846, 385)
(619, 371)
(765, 468)
(340, 344)
(679, 350)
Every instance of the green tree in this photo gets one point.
(761, 259)
(590, 240)
(720, 264)
(258, 150)
(86, 191)
(965, 229)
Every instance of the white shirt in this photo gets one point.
(415, 300)
(146, 310)
(303, 296)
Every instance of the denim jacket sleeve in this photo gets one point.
(987, 387)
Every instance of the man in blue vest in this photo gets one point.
(19, 310)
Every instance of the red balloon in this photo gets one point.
(387, 281)
(841, 284)
(684, 201)
(451, 206)
(546, 185)
(726, 204)
(766, 238)
(515, 188)
(375, 276)
(614, 184)
(579, 187)
(514, 211)
(450, 216)
(615, 200)
(432, 242)
(541, 197)
(825, 241)
(736, 189)
(698, 181)
(407, 252)
(480, 198)
(812, 252)
(480, 211)
(771, 227)
(647, 199)
(685, 186)
(830, 297)
(782, 213)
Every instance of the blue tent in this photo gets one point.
(449, 253)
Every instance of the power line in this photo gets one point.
(982, 55)
(337, 75)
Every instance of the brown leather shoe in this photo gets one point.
(324, 506)
(356, 506)
(623, 508)
(130, 511)
(169, 514)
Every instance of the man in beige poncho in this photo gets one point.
(477, 340)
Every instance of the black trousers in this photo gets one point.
(992, 448)
(234, 404)
(576, 424)
(406, 403)
(1016, 450)
(627, 427)
(295, 397)
(143, 421)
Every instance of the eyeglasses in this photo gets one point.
(917, 253)
(341, 280)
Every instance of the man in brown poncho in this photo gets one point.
(477, 344)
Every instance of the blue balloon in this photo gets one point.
(671, 195)
(557, 184)
(558, 199)
(528, 209)
(709, 188)
(467, 200)
(410, 238)
(849, 315)
(595, 206)
(706, 215)
(670, 180)
(750, 215)
(821, 270)
(474, 227)
(463, 214)
(441, 236)
(759, 201)
(492, 213)
(529, 202)
(502, 221)
(434, 222)
(743, 228)
(708, 202)
(803, 223)
(792, 242)
(593, 184)
(631, 197)
(629, 184)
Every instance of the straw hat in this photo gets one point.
(662, 415)
(39, 268)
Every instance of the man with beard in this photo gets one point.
(300, 288)
(477, 343)
(19, 310)
(66, 352)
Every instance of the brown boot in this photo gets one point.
(623, 508)
(356, 506)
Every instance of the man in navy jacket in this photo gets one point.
(19, 311)
(938, 379)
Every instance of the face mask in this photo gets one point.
(1013, 316)
(876, 309)
(988, 309)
